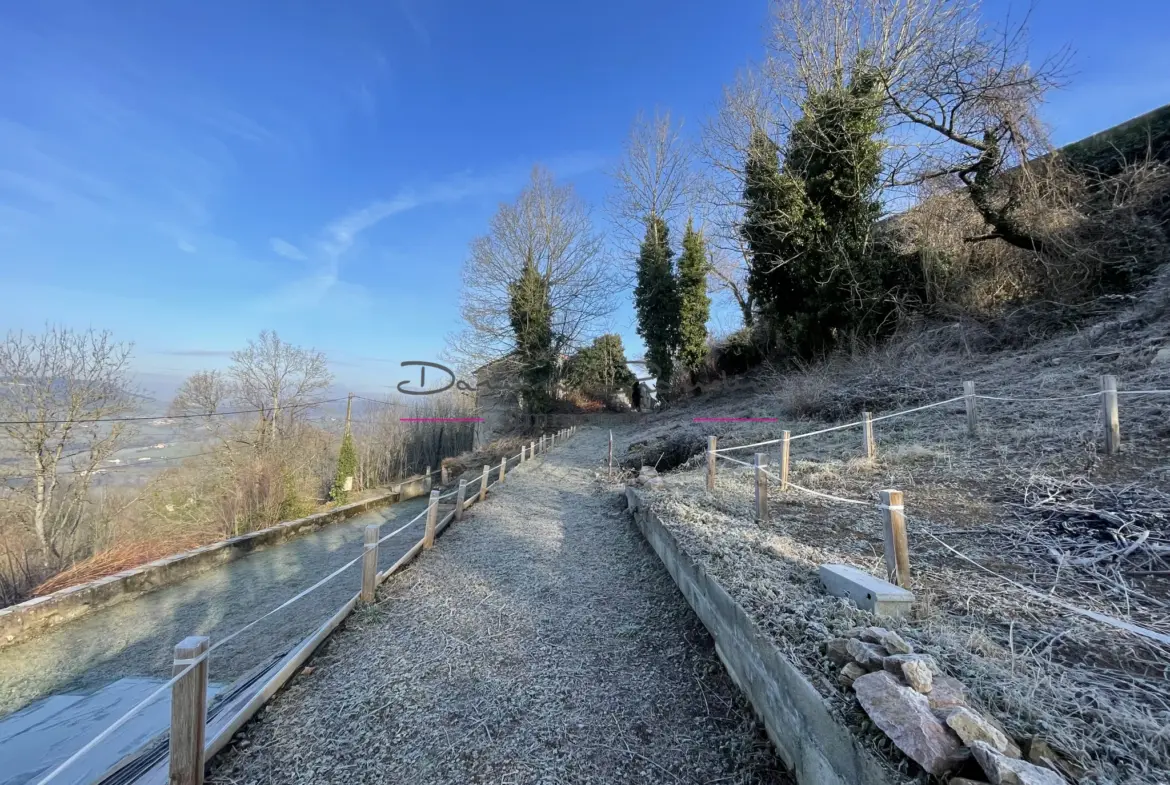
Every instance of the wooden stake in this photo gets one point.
(521, 453)
(711, 442)
(188, 713)
(972, 418)
(897, 549)
(611, 455)
(503, 465)
(531, 450)
(460, 499)
(761, 488)
(867, 428)
(483, 481)
(1109, 409)
(370, 563)
(427, 480)
(444, 477)
(785, 440)
(432, 520)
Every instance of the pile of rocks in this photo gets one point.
(648, 477)
(925, 713)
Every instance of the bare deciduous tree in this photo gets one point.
(202, 395)
(56, 386)
(655, 176)
(728, 275)
(549, 227)
(278, 379)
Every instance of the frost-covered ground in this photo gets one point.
(1031, 497)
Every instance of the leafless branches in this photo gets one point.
(277, 378)
(55, 384)
(549, 227)
(655, 176)
(203, 393)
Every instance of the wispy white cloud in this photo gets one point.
(185, 246)
(338, 238)
(286, 249)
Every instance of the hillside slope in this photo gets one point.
(1031, 497)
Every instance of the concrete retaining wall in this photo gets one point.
(819, 749)
(21, 621)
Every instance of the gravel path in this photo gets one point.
(137, 638)
(540, 641)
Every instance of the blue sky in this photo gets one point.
(186, 174)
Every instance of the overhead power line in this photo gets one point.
(168, 416)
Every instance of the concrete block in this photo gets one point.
(866, 591)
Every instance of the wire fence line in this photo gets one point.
(1107, 619)
(956, 399)
(190, 665)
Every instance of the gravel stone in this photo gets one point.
(541, 640)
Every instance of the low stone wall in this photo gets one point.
(21, 621)
(818, 748)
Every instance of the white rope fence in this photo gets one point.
(965, 398)
(189, 665)
(890, 510)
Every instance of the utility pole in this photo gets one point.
(348, 406)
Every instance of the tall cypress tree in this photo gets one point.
(808, 221)
(656, 301)
(775, 212)
(530, 313)
(346, 467)
(694, 304)
(835, 152)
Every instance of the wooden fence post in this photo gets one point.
(483, 481)
(711, 442)
(531, 450)
(432, 520)
(542, 444)
(521, 453)
(611, 455)
(552, 440)
(867, 432)
(188, 713)
(503, 465)
(444, 477)
(370, 563)
(897, 549)
(972, 416)
(785, 440)
(460, 499)
(1109, 410)
(761, 488)
(427, 480)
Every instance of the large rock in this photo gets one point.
(895, 644)
(1002, 770)
(905, 716)
(850, 673)
(868, 655)
(872, 634)
(972, 727)
(894, 662)
(837, 650)
(918, 676)
(946, 692)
